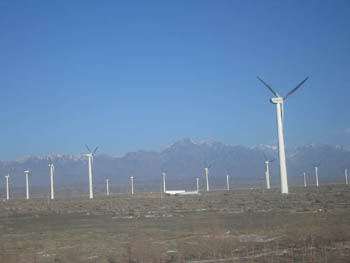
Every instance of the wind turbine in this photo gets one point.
(316, 165)
(206, 168)
(279, 101)
(52, 169)
(132, 184)
(197, 181)
(305, 179)
(90, 155)
(163, 180)
(267, 171)
(227, 182)
(346, 177)
(27, 172)
(107, 186)
(7, 186)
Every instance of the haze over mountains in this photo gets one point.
(184, 160)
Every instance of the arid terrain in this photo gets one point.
(308, 225)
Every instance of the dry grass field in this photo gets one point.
(308, 225)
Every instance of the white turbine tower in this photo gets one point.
(163, 180)
(346, 177)
(107, 186)
(7, 186)
(305, 179)
(267, 172)
(52, 169)
(228, 182)
(206, 168)
(197, 181)
(27, 172)
(90, 155)
(279, 101)
(316, 173)
(132, 184)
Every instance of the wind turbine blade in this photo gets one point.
(297, 87)
(87, 147)
(95, 150)
(282, 111)
(272, 160)
(268, 86)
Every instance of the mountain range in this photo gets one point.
(184, 160)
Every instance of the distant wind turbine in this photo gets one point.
(267, 172)
(346, 177)
(132, 184)
(7, 186)
(279, 101)
(197, 181)
(305, 179)
(228, 182)
(27, 172)
(107, 186)
(316, 165)
(206, 168)
(163, 180)
(90, 155)
(52, 169)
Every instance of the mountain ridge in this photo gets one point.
(183, 160)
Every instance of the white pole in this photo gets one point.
(316, 175)
(206, 178)
(27, 185)
(52, 167)
(164, 186)
(197, 180)
(281, 150)
(7, 187)
(227, 183)
(267, 175)
(346, 177)
(132, 184)
(91, 194)
(107, 186)
(304, 179)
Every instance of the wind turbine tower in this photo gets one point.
(346, 177)
(316, 173)
(305, 179)
(7, 186)
(279, 101)
(52, 169)
(228, 182)
(132, 184)
(107, 186)
(27, 172)
(197, 181)
(90, 155)
(163, 178)
(267, 172)
(207, 175)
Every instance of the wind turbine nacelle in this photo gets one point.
(276, 100)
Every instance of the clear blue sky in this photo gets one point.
(137, 75)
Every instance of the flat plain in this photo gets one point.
(254, 225)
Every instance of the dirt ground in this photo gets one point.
(308, 225)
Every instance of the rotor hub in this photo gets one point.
(276, 100)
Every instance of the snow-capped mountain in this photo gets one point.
(183, 161)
